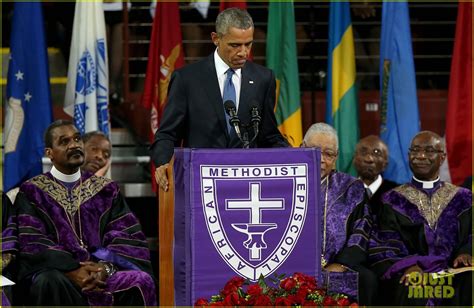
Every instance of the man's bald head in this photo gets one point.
(429, 134)
(373, 140)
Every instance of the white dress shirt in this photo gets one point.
(374, 185)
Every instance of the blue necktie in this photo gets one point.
(229, 94)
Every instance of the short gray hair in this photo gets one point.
(233, 17)
(322, 128)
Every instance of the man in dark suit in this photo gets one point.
(370, 160)
(194, 115)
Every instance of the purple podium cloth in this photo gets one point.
(244, 213)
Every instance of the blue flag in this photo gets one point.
(28, 110)
(399, 105)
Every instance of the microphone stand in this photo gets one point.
(255, 120)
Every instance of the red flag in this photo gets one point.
(164, 56)
(228, 4)
(459, 114)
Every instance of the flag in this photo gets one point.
(164, 56)
(202, 6)
(87, 93)
(28, 109)
(341, 95)
(459, 113)
(228, 4)
(399, 105)
(282, 59)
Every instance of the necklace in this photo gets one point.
(70, 212)
(323, 259)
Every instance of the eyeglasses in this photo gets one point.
(428, 151)
(329, 154)
(375, 152)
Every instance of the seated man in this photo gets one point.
(430, 223)
(79, 244)
(370, 160)
(346, 220)
(97, 153)
(9, 247)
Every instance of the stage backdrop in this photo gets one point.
(244, 213)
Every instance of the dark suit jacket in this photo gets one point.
(194, 115)
(375, 201)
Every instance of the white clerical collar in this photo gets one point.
(427, 184)
(67, 178)
(375, 184)
(222, 67)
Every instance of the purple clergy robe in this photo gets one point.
(53, 221)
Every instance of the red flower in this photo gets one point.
(254, 290)
(232, 285)
(291, 291)
(263, 300)
(295, 299)
(288, 284)
(310, 303)
(343, 301)
(329, 301)
(302, 292)
(201, 302)
(216, 304)
(232, 300)
(283, 301)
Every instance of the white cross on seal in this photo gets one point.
(255, 229)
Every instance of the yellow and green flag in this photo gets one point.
(282, 59)
(341, 96)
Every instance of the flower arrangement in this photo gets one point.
(296, 290)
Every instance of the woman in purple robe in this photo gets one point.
(346, 222)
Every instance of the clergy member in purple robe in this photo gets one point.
(79, 243)
(346, 221)
(9, 248)
(425, 227)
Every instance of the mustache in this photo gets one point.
(75, 152)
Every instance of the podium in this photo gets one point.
(233, 212)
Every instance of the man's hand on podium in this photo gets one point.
(161, 176)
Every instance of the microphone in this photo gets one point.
(234, 119)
